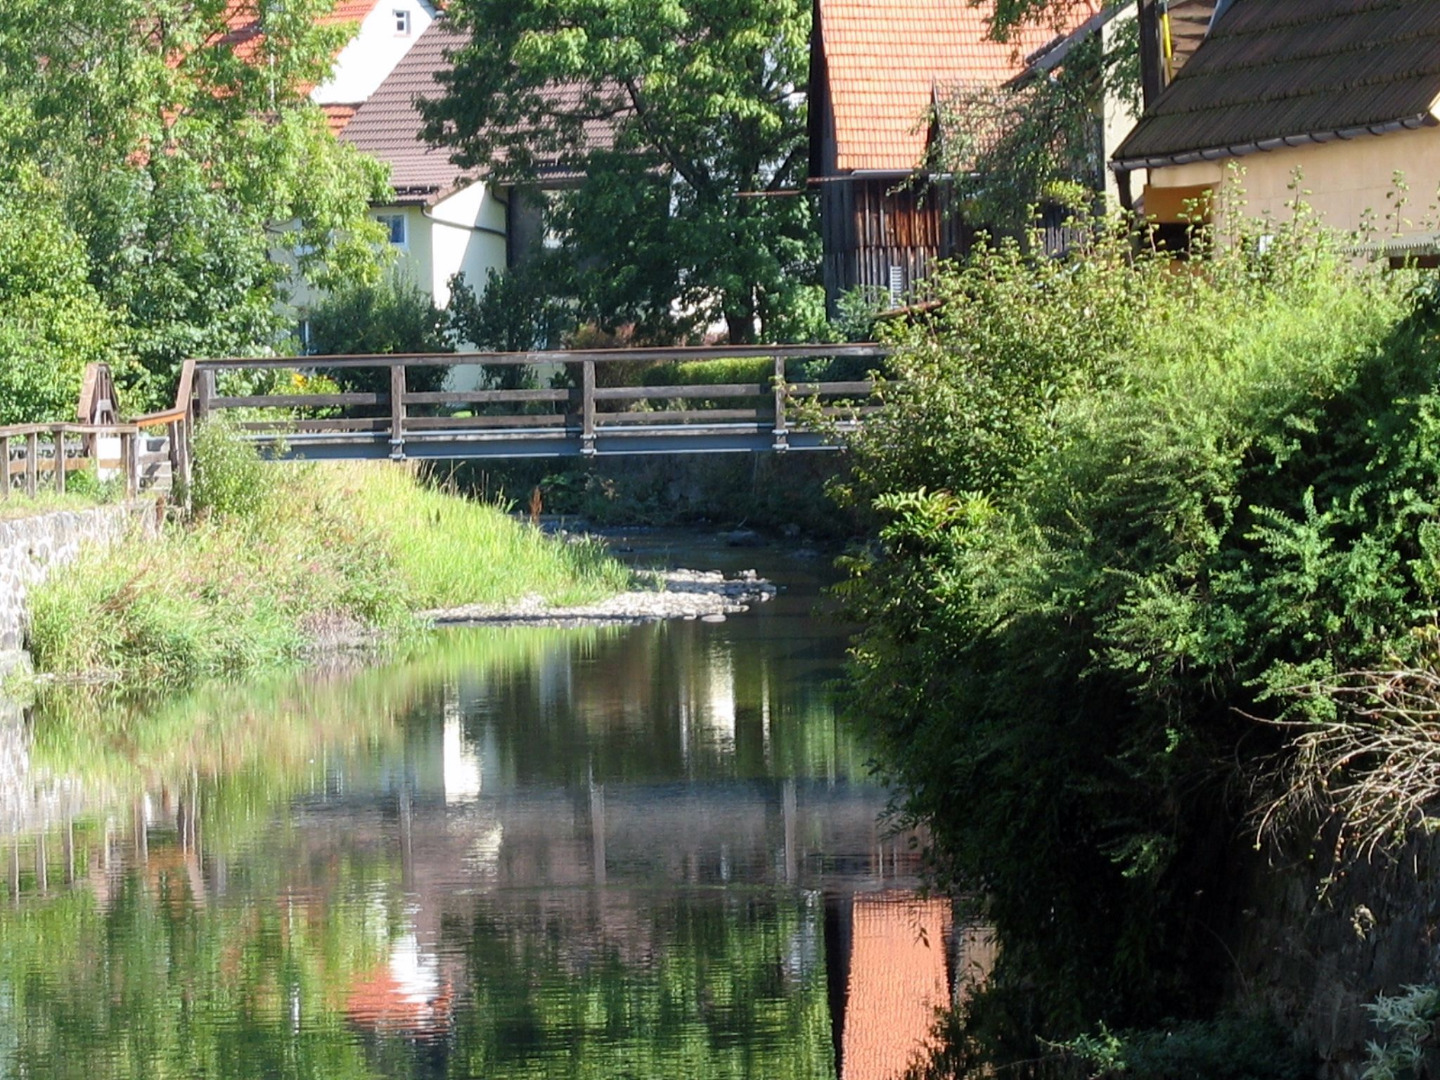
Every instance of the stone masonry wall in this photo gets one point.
(1316, 948)
(31, 548)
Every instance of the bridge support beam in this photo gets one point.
(397, 412)
(782, 391)
(587, 407)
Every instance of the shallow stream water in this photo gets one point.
(639, 852)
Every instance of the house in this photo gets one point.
(387, 30)
(384, 31)
(877, 69)
(1343, 93)
(442, 220)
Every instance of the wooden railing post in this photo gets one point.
(782, 432)
(5, 466)
(32, 463)
(204, 392)
(129, 462)
(397, 412)
(587, 408)
(57, 462)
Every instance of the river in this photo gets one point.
(632, 852)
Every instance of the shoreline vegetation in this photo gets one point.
(277, 561)
(1151, 633)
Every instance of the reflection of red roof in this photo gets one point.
(380, 1002)
(884, 59)
(897, 982)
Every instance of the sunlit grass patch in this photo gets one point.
(280, 556)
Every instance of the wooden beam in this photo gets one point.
(397, 412)
(587, 420)
(32, 464)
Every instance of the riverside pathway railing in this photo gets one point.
(41, 456)
(601, 407)
(36, 456)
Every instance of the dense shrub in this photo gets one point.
(52, 322)
(390, 316)
(1123, 509)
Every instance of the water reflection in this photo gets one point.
(645, 852)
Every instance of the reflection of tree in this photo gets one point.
(730, 988)
(251, 915)
(142, 986)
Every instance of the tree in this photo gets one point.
(390, 316)
(52, 322)
(183, 153)
(686, 120)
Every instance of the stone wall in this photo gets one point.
(1318, 946)
(30, 548)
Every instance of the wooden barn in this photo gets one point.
(877, 67)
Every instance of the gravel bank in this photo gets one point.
(664, 594)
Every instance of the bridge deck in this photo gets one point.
(594, 406)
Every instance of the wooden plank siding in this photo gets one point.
(870, 224)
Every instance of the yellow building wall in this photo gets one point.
(1340, 179)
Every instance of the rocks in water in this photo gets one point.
(741, 538)
(712, 618)
(660, 594)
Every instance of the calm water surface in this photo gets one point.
(645, 852)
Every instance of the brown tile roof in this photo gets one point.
(1277, 70)
(387, 125)
(885, 58)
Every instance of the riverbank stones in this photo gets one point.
(660, 594)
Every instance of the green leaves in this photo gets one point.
(1120, 509)
(179, 156)
(674, 112)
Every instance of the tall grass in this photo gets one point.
(278, 557)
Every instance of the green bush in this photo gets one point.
(52, 321)
(1122, 509)
(393, 316)
(230, 479)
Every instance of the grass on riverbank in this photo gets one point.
(45, 502)
(281, 557)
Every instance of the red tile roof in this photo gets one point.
(884, 59)
(338, 116)
(244, 22)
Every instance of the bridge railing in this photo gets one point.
(36, 455)
(596, 407)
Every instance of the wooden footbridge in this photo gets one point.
(597, 403)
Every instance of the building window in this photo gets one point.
(402, 23)
(394, 225)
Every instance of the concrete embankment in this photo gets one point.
(31, 549)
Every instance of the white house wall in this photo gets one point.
(466, 234)
(373, 52)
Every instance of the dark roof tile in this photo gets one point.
(1287, 69)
